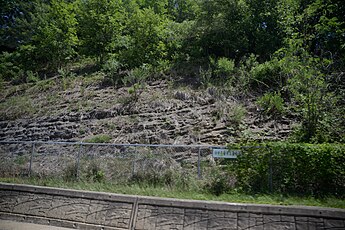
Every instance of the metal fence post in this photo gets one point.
(31, 158)
(270, 175)
(12, 167)
(78, 160)
(199, 167)
(133, 162)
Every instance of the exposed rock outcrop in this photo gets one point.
(161, 114)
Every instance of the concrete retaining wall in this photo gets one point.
(95, 210)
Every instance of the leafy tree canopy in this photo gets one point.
(291, 48)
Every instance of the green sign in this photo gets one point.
(225, 153)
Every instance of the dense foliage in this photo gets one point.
(291, 52)
(301, 169)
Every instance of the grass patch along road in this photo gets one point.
(193, 194)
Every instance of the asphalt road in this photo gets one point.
(12, 225)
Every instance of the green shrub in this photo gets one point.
(218, 72)
(152, 177)
(288, 168)
(1, 83)
(135, 79)
(161, 69)
(9, 69)
(21, 160)
(221, 181)
(101, 138)
(17, 107)
(94, 172)
(111, 69)
(65, 73)
(70, 172)
(205, 77)
(184, 180)
(242, 79)
(225, 65)
(138, 75)
(32, 77)
(152, 170)
(266, 75)
(172, 178)
(236, 115)
(271, 104)
(224, 68)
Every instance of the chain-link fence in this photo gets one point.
(102, 161)
(256, 169)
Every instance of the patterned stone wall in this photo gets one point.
(87, 209)
(91, 210)
(188, 215)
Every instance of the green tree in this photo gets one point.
(9, 11)
(42, 34)
(181, 10)
(311, 58)
(147, 33)
(235, 28)
(101, 24)
(221, 26)
(55, 39)
(309, 94)
(264, 35)
(317, 25)
(158, 6)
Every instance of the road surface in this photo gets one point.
(12, 225)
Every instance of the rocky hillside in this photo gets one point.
(78, 109)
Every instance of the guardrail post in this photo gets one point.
(199, 167)
(31, 158)
(78, 160)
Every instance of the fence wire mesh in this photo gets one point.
(95, 161)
